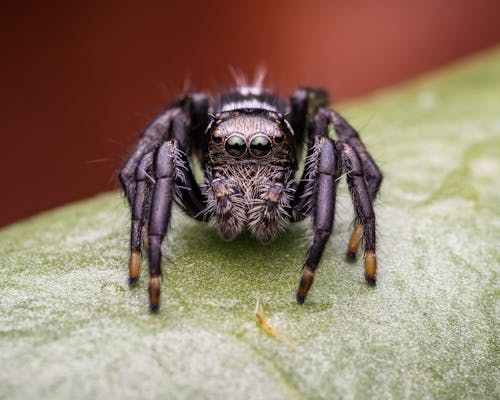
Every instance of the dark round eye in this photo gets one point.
(278, 137)
(260, 145)
(236, 146)
(217, 139)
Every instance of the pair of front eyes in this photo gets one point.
(236, 145)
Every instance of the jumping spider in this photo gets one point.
(249, 142)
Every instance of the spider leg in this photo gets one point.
(149, 139)
(323, 201)
(371, 172)
(174, 178)
(316, 191)
(137, 184)
(365, 217)
(188, 192)
(195, 105)
(302, 102)
(302, 203)
(160, 213)
(139, 213)
(149, 183)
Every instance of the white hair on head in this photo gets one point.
(242, 84)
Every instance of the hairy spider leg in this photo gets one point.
(161, 210)
(303, 102)
(137, 176)
(316, 194)
(371, 173)
(351, 167)
(139, 214)
(188, 192)
(137, 184)
(323, 209)
(311, 100)
(149, 139)
(317, 126)
(174, 178)
(349, 163)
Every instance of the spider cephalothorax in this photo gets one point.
(249, 142)
(249, 171)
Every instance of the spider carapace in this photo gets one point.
(249, 143)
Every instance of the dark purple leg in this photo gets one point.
(302, 203)
(194, 105)
(173, 175)
(323, 201)
(154, 134)
(371, 173)
(159, 219)
(303, 102)
(298, 116)
(365, 217)
(348, 134)
(184, 124)
(140, 209)
(192, 200)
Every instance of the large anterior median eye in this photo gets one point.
(236, 146)
(260, 145)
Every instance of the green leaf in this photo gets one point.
(70, 327)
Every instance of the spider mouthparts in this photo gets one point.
(134, 267)
(154, 293)
(370, 267)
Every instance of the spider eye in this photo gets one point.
(260, 145)
(236, 146)
(217, 139)
(278, 137)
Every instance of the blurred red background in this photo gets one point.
(80, 79)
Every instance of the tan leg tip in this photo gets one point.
(154, 293)
(354, 241)
(370, 267)
(134, 266)
(305, 284)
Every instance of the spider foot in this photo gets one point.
(370, 267)
(134, 267)
(305, 284)
(354, 242)
(154, 293)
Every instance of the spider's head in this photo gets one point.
(251, 134)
